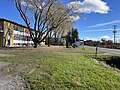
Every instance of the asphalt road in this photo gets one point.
(106, 50)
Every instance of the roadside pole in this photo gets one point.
(114, 34)
(96, 52)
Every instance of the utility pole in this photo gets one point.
(96, 52)
(114, 31)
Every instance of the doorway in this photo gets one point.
(1, 39)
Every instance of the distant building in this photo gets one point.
(13, 34)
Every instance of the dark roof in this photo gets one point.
(2, 19)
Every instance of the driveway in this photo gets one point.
(106, 50)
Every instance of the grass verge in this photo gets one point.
(63, 69)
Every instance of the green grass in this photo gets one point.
(59, 69)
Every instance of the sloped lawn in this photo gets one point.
(63, 71)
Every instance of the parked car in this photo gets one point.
(78, 43)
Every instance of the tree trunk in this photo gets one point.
(73, 40)
(35, 42)
(56, 40)
(67, 46)
(48, 41)
(35, 45)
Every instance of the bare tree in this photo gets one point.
(62, 30)
(43, 16)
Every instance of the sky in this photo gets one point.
(95, 22)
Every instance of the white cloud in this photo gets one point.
(88, 6)
(74, 18)
(105, 37)
(84, 18)
(31, 4)
(103, 24)
(93, 39)
(99, 38)
(23, 3)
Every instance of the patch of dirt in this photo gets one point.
(4, 55)
(9, 77)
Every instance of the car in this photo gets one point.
(78, 43)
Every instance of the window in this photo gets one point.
(21, 29)
(20, 37)
(1, 25)
(16, 37)
(16, 27)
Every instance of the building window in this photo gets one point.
(21, 29)
(1, 25)
(16, 37)
(9, 36)
(16, 27)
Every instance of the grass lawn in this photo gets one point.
(58, 68)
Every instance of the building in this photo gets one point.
(13, 34)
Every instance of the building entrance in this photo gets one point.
(1, 39)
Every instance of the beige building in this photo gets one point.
(13, 34)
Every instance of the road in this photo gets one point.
(106, 50)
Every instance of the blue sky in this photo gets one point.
(93, 25)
